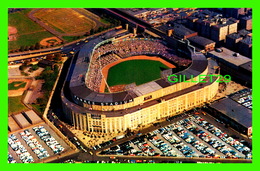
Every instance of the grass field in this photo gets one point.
(16, 85)
(138, 71)
(28, 39)
(29, 33)
(23, 23)
(65, 20)
(72, 38)
(15, 105)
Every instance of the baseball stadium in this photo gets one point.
(117, 84)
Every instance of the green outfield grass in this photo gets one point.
(15, 105)
(16, 85)
(138, 71)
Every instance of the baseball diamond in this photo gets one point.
(136, 69)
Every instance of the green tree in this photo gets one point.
(40, 100)
(57, 57)
(32, 47)
(37, 46)
(26, 48)
(22, 48)
(91, 31)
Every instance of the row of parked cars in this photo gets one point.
(166, 149)
(121, 149)
(190, 139)
(96, 147)
(243, 97)
(48, 139)
(19, 149)
(145, 147)
(11, 159)
(223, 136)
(34, 144)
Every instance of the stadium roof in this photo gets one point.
(146, 88)
(235, 111)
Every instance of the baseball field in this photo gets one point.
(27, 32)
(16, 85)
(135, 71)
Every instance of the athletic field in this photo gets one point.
(65, 20)
(138, 71)
(16, 85)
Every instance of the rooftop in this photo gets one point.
(235, 111)
(247, 66)
(200, 40)
(247, 40)
(234, 36)
(244, 32)
(182, 30)
(228, 56)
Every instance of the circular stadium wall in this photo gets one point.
(93, 111)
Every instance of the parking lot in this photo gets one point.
(191, 136)
(244, 97)
(34, 144)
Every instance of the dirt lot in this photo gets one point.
(228, 89)
(19, 92)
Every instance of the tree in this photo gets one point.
(26, 48)
(40, 100)
(57, 57)
(49, 57)
(32, 47)
(37, 46)
(22, 48)
(91, 31)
